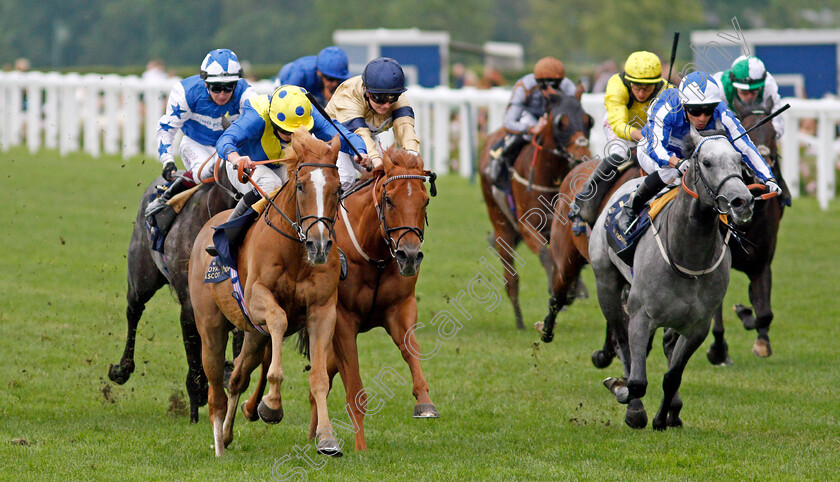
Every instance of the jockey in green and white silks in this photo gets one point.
(750, 81)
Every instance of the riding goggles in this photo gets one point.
(221, 87)
(702, 109)
(383, 98)
(546, 83)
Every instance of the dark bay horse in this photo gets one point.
(753, 253)
(381, 232)
(149, 271)
(535, 177)
(289, 277)
(570, 251)
(679, 276)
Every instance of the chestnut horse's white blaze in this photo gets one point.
(319, 180)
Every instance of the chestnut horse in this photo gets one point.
(289, 277)
(149, 271)
(535, 176)
(753, 253)
(570, 251)
(381, 232)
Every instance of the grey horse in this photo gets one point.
(679, 276)
(149, 271)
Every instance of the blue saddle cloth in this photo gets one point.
(624, 245)
(216, 272)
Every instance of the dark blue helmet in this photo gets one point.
(384, 76)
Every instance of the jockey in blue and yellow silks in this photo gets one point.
(263, 132)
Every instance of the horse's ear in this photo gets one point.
(299, 142)
(579, 91)
(387, 163)
(335, 146)
(695, 136)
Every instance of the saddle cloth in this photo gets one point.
(624, 245)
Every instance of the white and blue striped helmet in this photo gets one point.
(221, 65)
(699, 88)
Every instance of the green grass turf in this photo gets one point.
(511, 408)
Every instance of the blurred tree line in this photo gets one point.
(127, 33)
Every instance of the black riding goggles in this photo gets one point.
(327, 78)
(383, 98)
(217, 88)
(546, 83)
(702, 109)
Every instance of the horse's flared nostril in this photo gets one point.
(400, 256)
(328, 247)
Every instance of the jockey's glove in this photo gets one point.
(682, 166)
(772, 186)
(169, 171)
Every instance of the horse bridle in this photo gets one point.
(297, 224)
(383, 222)
(719, 200)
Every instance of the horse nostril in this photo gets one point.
(328, 246)
(310, 246)
(419, 258)
(401, 256)
(737, 202)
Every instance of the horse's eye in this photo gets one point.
(707, 163)
(388, 202)
(299, 187)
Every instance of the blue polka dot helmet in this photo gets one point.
(289, 109)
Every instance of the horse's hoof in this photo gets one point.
(601, 359)
(674, 420)
(251, 417)
(330, 447)
(618, 387)
(193, 414)
(120, 374)
(269, 415)
(425, 410)
(718, 358)
(745, 314)
(761, 348)
(636, 416)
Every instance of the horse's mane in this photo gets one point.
(689, 145)
(305, 148)
(400, 157)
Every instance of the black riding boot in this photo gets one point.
(241, 207)
(507, 156)
(633, 207)
(179, 185)
(589, 198)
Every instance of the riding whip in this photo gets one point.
(327, 116)
(673, 56)
(764, 121)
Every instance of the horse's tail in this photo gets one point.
(303, 342)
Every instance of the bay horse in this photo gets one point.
(535, 177)
(570, 251)
(679, 276)
(381, 232)
(289, 277)
(149, 271)
(753, 253)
